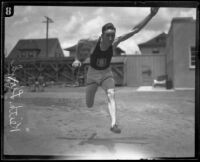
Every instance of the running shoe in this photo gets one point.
(115, 129)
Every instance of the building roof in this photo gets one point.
(37, 44)
(183, 19)
(159, 40)
(73, 48)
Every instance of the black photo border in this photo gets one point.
(181, 4)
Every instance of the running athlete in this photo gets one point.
(99, 72)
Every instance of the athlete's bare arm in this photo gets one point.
(137, 28)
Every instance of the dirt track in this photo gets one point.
(57, 122)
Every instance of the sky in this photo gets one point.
(73, 23)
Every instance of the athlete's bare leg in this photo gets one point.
(108, 85)
(111, 106)
(90, 94)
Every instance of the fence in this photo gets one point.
(58, 70)
(141, 70)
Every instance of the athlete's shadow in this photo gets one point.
(108, 143)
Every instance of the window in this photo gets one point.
(155, 51)
(29, 53)
(192, 57)
(23, 55)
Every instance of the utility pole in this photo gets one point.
(48, 20)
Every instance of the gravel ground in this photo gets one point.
(57, 122)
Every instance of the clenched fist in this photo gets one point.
(76, 63)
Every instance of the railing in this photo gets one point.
(57, 70)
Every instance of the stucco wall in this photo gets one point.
(169, 56)
(183, 38)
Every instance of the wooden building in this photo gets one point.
(36, 49)
(38, 60)
(156, 45)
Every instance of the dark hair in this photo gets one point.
(108, 26)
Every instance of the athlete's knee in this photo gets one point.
(110, 93)
(89, 104)
(89, 100)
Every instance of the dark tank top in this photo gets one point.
(100, 60)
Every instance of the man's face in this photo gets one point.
(108, 36)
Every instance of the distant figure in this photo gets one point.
(99, 72)
(41, 83)
(36, 85)
(52, 83)
(31, 83)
